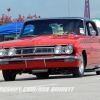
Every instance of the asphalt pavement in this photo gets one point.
(86, 88)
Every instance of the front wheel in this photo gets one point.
(79, 71)
(9, 75)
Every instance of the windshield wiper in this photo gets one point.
(69, 33)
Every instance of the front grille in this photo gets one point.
(34, 50)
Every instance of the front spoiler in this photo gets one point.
(41, 58)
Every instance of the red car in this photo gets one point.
(52, 46)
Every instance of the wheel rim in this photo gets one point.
(81, 67)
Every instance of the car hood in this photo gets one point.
(42, 40)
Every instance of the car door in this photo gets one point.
(94, 42)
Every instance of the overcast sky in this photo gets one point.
(49, 8)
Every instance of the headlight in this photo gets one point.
(58, 49)
(2, 52)
(11, 52)
(69, 49)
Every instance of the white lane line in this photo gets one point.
(45, 85)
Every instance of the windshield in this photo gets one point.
(52, 26)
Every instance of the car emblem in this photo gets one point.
(34, 50)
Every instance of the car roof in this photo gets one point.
(81, 18)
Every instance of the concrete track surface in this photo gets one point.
(86, 88)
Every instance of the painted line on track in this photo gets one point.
(46, 85)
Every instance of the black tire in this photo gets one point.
(98, 72)
(79, 71)
(42, 75)
(8, 75)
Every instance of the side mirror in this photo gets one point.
(93, 33)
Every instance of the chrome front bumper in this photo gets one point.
(41, 58)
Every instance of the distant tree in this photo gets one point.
(6, 18)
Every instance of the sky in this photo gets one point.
(49, 8)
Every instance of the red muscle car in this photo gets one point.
(52, 46)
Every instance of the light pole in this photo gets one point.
(68, 9)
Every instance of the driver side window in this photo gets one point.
(91, 28)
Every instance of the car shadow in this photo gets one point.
(51, 77)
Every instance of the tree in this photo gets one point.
(6, 18)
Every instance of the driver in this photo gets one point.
(68, 28)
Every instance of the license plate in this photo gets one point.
(69, 60)
(4, 62)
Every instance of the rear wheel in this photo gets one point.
(79, 71)
(9, 75)
(42, 75)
